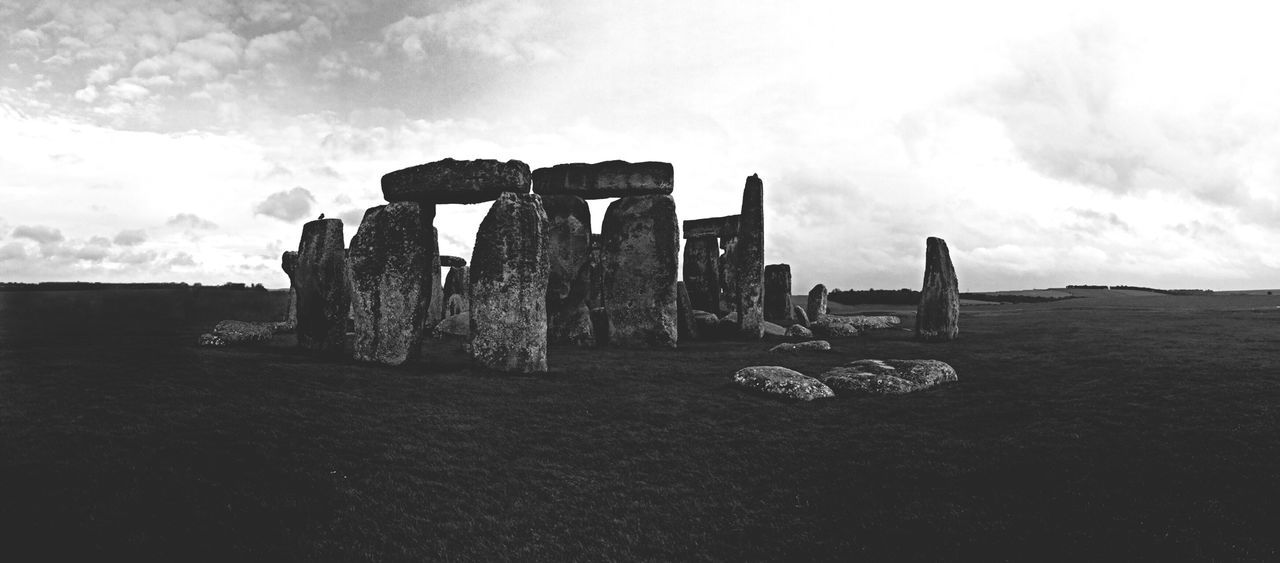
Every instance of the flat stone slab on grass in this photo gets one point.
(798, 331)
(456, 181)
(228, 333)
(613, 178)
(810, 346)
(782, 383)
(887, 377)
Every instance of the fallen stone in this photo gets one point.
(212, 340)
(640, 249)
(228, 333)
(772, 329)
(810, 346)
(750, 261)
(614, 178)
(456, 181)
(388, 261)
(887, 377)
(569, 274)
(865, 322)
(816, 305)
(321, 279)
(777, 294)
(782, 383)
(509, 286)
(938, 315)
(798, 331)
(452, 262)
(831, 327)
(800, 315)
(457, 326)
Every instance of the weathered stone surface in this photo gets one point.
(321, 279)
(614, 178)
(829, 326)
(569, 277)
(595, 297)
(457, 290)
(777, 294)
(685, 328)
(750, 261)
(802, 318)
(864, 322)
(640, 249)
(705, 324)
(289, 263)
(211, 340)
(782, 383)
(816, 306)
(435, 305)
(509, 286)
(810, 346)
(884, 377)
(702, 273)
(451, 261)
(772, 329)
(728, 265)
(458, 326)
(711, 227)
(388, 260)
(456, 181)
(798, 331)
(228, 333)
(938, 316)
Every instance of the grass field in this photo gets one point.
(1112, 427)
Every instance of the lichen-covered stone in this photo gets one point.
(702, 272)
(816, 305)
(457, 290)
(211, 340)
(777, 294)
(782, 383)
(509, 286)
(802, 318)
(750, 261)
(867, 322)
(772, 329)
(389, 259)
(456, 181)
(938, 316)
(798, 331)
(887, 377)
(684, 314)
(640, 249)
(614, 178)
(810, 346)
(829, 326)
(451, 261)
(230, 332)
(569, 278)
(321, 279)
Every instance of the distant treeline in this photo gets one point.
(1151, 289)
(912, 297)
(82, 286)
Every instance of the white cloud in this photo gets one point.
(27, 38)
(131, 237)
(288, 205)
(190, 221)
(496, 29)
(39, 233)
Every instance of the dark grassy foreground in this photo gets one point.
(1126, 428)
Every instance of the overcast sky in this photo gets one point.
(1067, 143)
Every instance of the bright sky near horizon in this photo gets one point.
(1048, 143)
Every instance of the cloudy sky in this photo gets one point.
(1071, 143)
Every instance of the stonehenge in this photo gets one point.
(640, 249)
(321, 279)
(749, 266)
(938, 316)
(456, 181)
(777, 295)
(816, 306)
(614, 178)
(391, 285)
(435, 306)
(509, 274)
(289, 263)
(457, 294)
(702, 259)
(569, 255)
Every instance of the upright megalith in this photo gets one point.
(614, 178)
(456, 292)
(456, 181)
(816, 306)
(391, 287)
(509, 286)
(640, 249)
(750, 261)
(728, 265)
(569, 277)
(595, 297)
(702, 272)
(289, 263)
(321, 278)
(777, 295)
(685, 328)
(938, 316)
(435, 306)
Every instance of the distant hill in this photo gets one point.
(98, 286)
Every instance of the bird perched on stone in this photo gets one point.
(321, 216)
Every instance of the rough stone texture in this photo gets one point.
(455, 325)
(816, 305)
(613, 178)
(802, 318)
(451, 261)
(456, 181)
(227, 333)
(772, 329)
(728, 265)
(810, 346)
(321, 279)
(595, 297)
(456, 290)
(750, 267)
(211, 340)
(509, 286)
(391, 284)
(798, 331)
(640, 248)
(828, 326)
(782, 383)
(289, 263)
(569, 277)
(885, 377)
(938, 316)
(713, 227)
(777, 294)
(705, 324)
(702, 272)
(865, 322)
(435, 305)
(685, 328)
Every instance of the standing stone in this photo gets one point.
(321, 277)
(685, 328)
(388, 261)
(728, 265)
(456, 181)
(289, 263)
(456, 291)
(509, 286)
(702, 272)
(816, 306)
(569, 277)
(640, 248)
(802, 318)
(435, 307)
(777, 295)
(750, 270)
(595, 297)
(938, 316)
